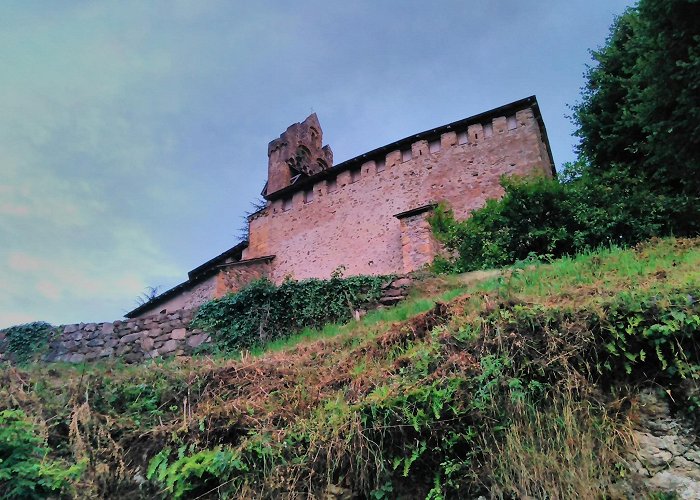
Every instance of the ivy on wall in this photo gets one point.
(22, 342)
(262, 312)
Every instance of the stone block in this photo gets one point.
(168, 347)
(387, 301)
(133, 357)
(123, 349)
(75, 358)
(90, 327)
(97, 342)
(402, 282)
(147, 344)
(106, 352)
(197, 340)
(131, 337)
(69, 345)
(178, 334)
(154, 332)
(92, 355)
(107, 328)
(70, 328)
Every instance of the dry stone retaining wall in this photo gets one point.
(159, 335)
(134, 340)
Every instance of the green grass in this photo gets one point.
(677, 261)
(490, 393)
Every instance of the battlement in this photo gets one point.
(471, 130)
(369, 214)
(297, 154)
(345, 215)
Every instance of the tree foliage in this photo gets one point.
(640, 107)
(638, 172)
(542, 217)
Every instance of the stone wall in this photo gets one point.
(666, 452)
(135, 340)
(350, 219)
(235, 276)
(159, 335)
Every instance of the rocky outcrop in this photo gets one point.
(666, 452)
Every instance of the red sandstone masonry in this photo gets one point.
(152, 337)
(350, 220)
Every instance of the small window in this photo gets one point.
(434, 146)
(354, 175)
(332, 185)
(462, 138)
(309, 195)
(512, 123)
(406, 155)
(381, 165)
(287, 204)
(488, 130)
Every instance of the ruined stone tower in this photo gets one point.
(297, 154)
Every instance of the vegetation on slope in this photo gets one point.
(517, 386)
(638, 171)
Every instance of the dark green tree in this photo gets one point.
(640, 110)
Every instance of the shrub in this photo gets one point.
(262, 312)
(24, 470)
(24, 341)
(542, 217)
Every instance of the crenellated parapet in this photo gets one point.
(297, 154)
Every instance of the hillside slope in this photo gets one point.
(575, 379)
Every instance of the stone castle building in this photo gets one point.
(367, 214)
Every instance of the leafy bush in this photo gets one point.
(640, 108)
(542, 217)
(24, 341)
(262, 312)
(196, 474)
(25, 472)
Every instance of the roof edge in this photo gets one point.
(530, 101)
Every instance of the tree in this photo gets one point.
(640, 109)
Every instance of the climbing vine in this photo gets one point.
(22, 342)
(262, 312)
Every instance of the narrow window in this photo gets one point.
(381, 165)
(309, 195)
(406, 155)
(287, 204)
(434, 146)
(462, 138)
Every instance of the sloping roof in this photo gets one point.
(428, 135)
(196, 275)
(234, 252)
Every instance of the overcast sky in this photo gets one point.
(133, 134)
